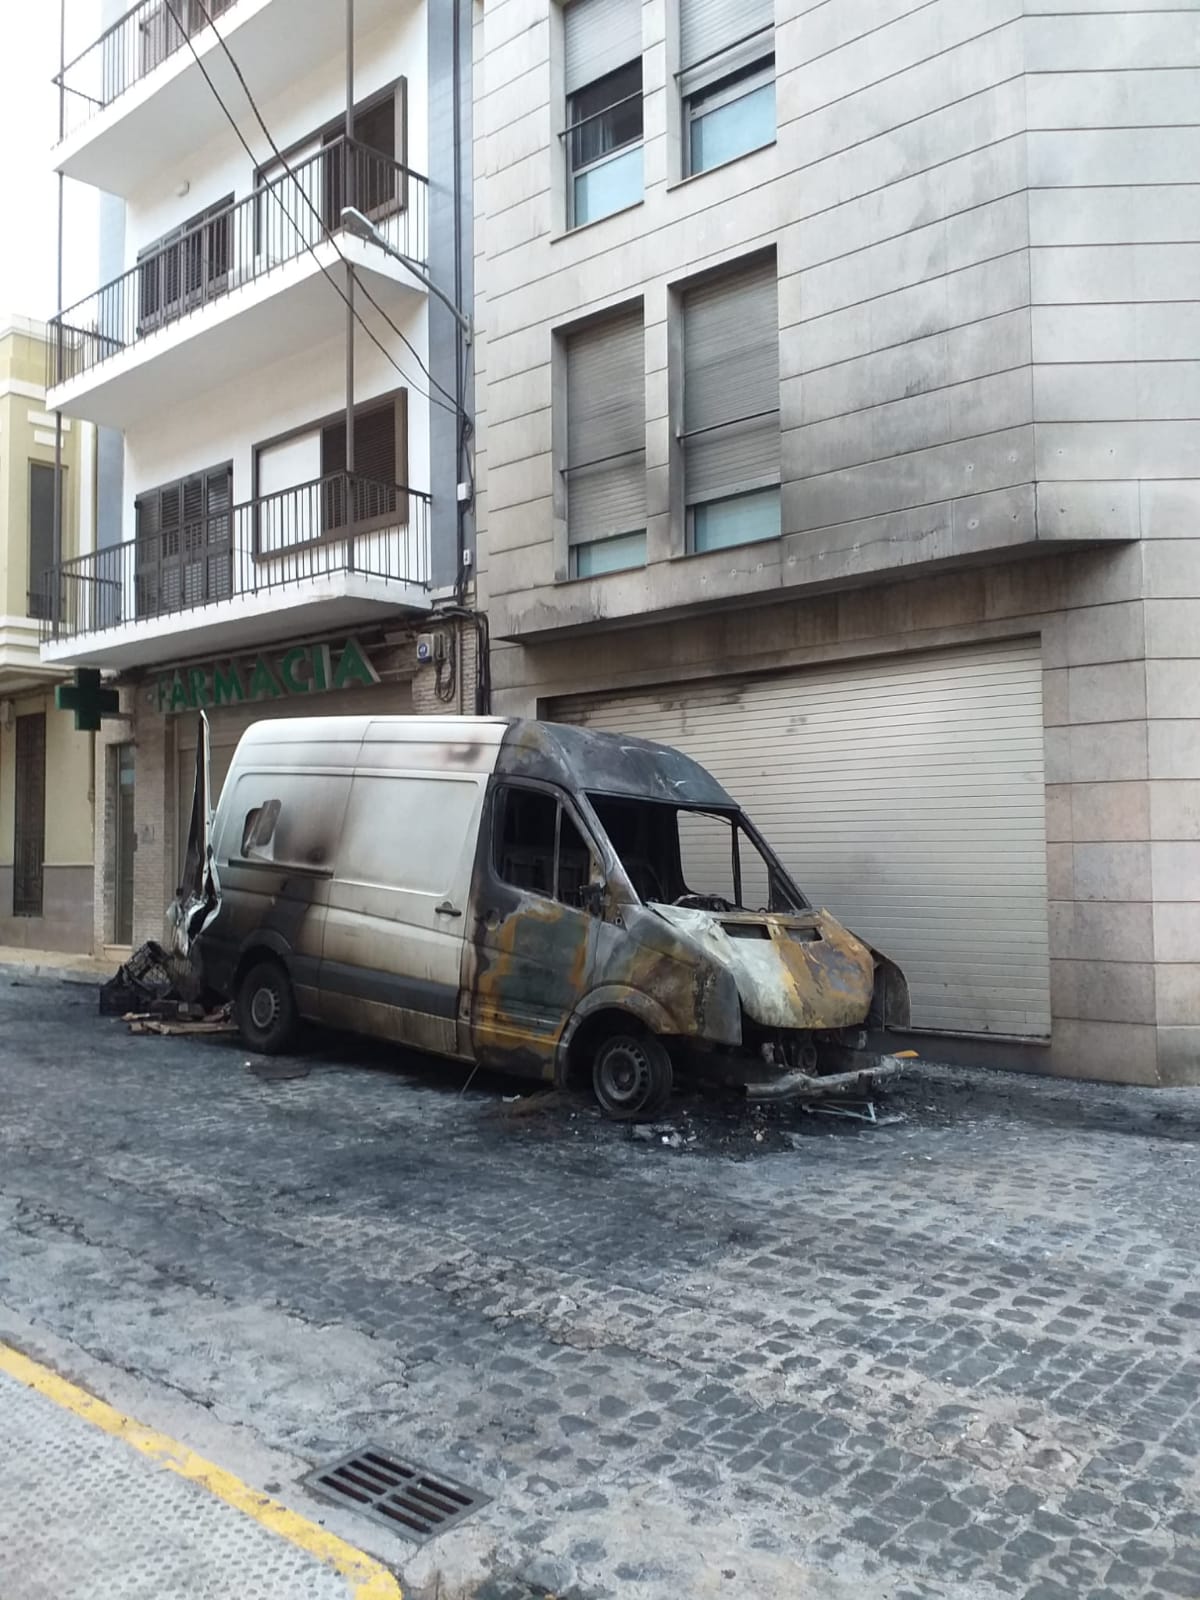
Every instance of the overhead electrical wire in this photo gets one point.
(450, 404)
(451, 407)
(278, 154)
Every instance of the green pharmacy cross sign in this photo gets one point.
(87, 700)
(303, 669)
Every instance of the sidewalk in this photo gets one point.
(16, 962)
(92, 1504)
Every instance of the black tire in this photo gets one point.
(266, 1008)
(631, 1076)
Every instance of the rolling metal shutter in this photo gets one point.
(601, 35)
(606, 429)
(906, 795)
(731, 383)
(707, 26)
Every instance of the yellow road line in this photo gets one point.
(368, 1580)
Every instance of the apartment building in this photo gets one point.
(838, 367)
(280, 351)
(46, 771)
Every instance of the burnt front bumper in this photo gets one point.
(816, 1086)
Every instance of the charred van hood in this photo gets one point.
(798, 971)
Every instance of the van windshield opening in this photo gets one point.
(685, 856)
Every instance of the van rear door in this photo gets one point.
(198, 898)
(398, 905)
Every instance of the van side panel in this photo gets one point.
(397, 908)
(276, 832)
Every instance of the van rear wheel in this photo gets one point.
(631, 1076)
(266, 1008)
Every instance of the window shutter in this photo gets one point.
(218, 492)
(606, 425)
(147, 511)
(171, 515)
(333, 448)
(375, 452)
(709, 26)
(41, 530)
(375, 444)
(731, 372)
(601, 35)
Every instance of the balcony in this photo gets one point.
(135, 100)
(246, 279)
(343, 550)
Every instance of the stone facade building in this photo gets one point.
(838, 368)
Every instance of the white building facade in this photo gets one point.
(838, 367)
(270, 555)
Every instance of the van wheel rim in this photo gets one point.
(264, 1008)
(624, 1076)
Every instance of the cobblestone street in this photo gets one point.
(955, 1354)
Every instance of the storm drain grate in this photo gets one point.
(413, 1502)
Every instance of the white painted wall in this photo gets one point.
(222, 167)
(304, 388)
(310, 385)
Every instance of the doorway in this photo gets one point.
(29, 831)
(126, 844)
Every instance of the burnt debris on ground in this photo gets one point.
(696, 1122)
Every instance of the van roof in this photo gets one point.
(609, 763)
(605, 763)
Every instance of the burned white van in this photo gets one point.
(555, 902)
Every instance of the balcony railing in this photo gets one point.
(279, 221)
(127, 51)
(342, 523)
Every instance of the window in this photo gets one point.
(379, 466)
(606, 445)
(680, 855)
(327, 174)
(727, 78)
(283, 819)
(185, 267)
(184, 554)
(538, 847)
(41, 536)
(730, 433)
(603, 52)
(364, 174)
(29, 829)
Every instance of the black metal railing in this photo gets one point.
(343, 522)
(127, 51)
(277, 222)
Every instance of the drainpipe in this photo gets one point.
(56, 543)
(348, 199)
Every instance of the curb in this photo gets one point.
(32, 972)
(366, 1578)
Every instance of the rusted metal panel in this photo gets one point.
(804, 972)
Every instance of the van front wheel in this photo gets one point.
(266, 1008)
(631, 1075)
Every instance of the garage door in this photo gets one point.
(906, 795)
(226, 727)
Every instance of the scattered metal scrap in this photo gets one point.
(176, 1018)
(150, 975)
(814, 1087)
